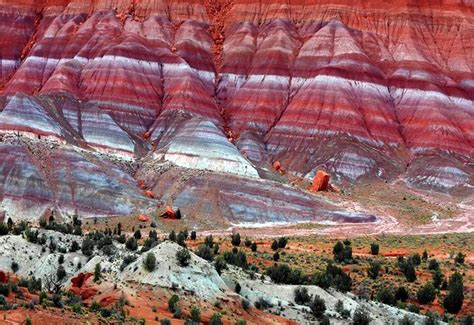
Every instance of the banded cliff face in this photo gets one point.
(363, 90)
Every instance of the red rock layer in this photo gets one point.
(360, 89)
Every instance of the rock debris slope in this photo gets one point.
(380, 90)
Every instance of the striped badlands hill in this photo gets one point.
(362, 89)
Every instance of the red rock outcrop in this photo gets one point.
(320, 181)
(143, 218)
(169, 213)
(81, 288)
(360, 89)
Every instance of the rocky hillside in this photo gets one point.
(364, 91)
(197, 283)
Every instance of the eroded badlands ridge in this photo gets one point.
(379, 90)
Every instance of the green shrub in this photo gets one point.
(455, 297)
(459, 259)
(361, 317)
(410, 273)
(195, 314)
(172, 235)
(437, 277)
(275, 245)
(342, 252)
(236, 257)
(3, 229)
(149, 262)
(339, 307)
(415, 259)
(128, 259)
(374, 269)
(386, 296)
(401, 294)
(215, 319)
(181, 238)
(137, 234)
(374, 249)
(97, 272)
(95, 306)
(131, 244)
(235, 239)
(173, 303)
(282, 273)
(87, 247)
(183, 256)
(424, 256)
(317, 306)
(74, 246)
(282, 241)
(209, 241)
(14, 266)
(205, 252)
(413, 308)
(426, 294)
(253, 247)
(433, 265)
(302, 296)
(61, 273)
(247, 242)
(334, 277)
(220, 264)
(262, 304)
(237, 287)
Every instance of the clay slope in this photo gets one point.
(380, 90)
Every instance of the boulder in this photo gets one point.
(320, 181)
(150, 194)
(169, 213)
(278, 167)
(141, 184)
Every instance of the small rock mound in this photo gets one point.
(199, 276)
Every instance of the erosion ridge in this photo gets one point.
(365, 92)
